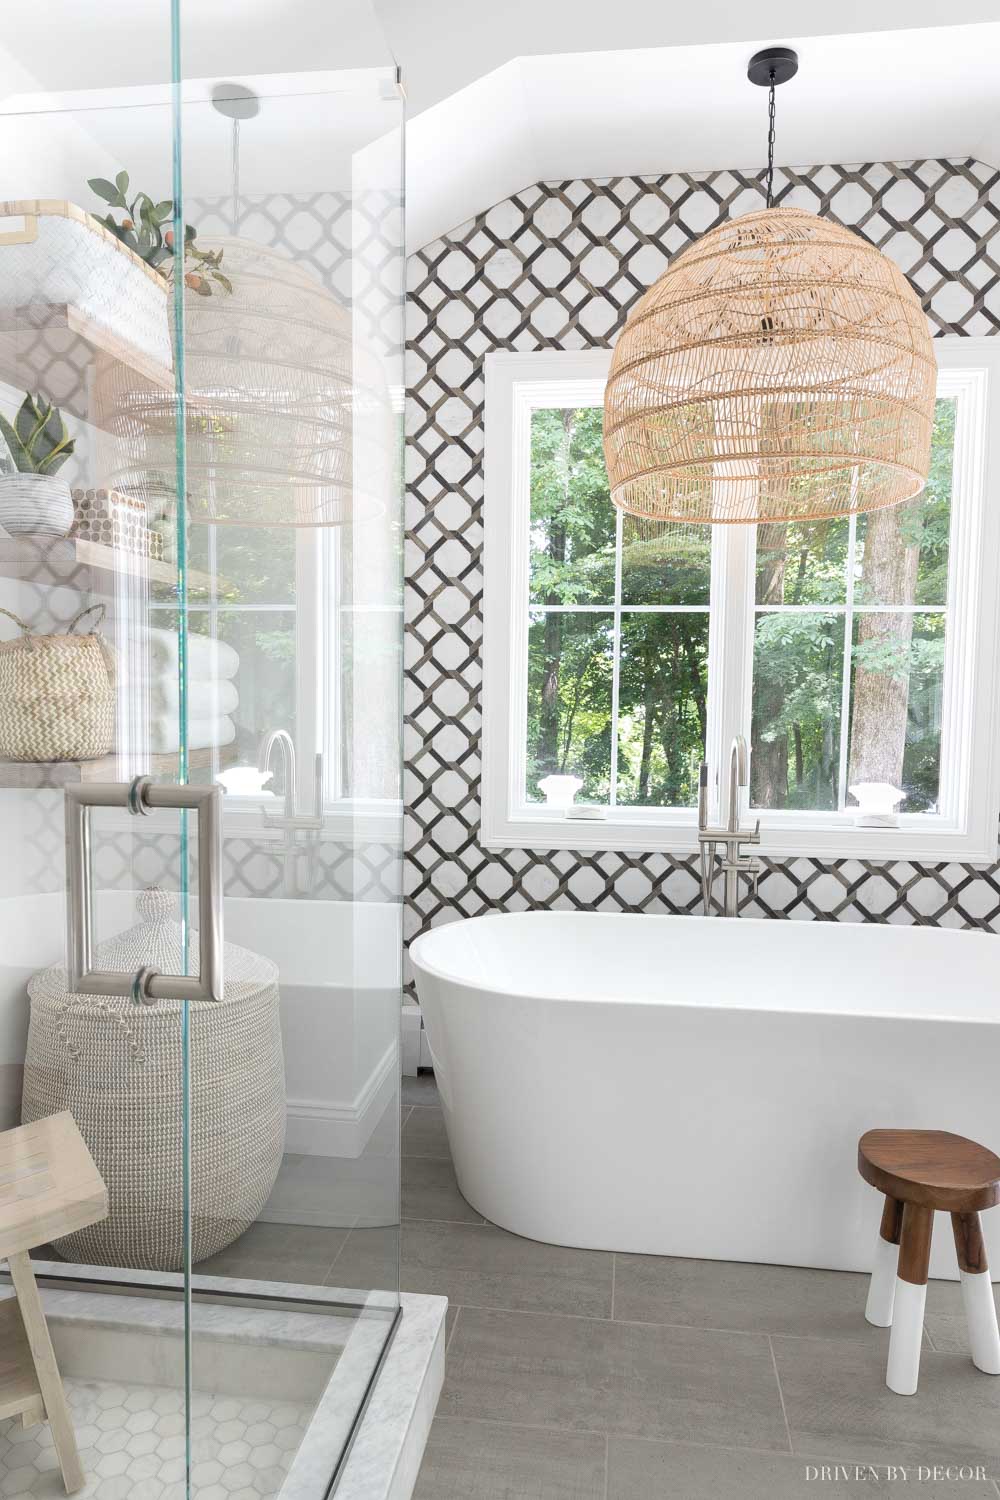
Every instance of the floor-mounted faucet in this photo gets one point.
(732, 837)
(290, 820)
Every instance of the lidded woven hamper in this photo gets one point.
(117, 1067)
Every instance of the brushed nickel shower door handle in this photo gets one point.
(139, 797)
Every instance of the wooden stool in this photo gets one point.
(49, 1186)
(920, 1171)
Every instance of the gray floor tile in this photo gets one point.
(430, 1191)
(369, 1259)
(340, 1191)
(424, 1134)
(279, 1252)
(482, 1266)
(945, 1318)
(449, 1323)
(641, 1471)
(837, 1401)
(730, 1294)
(535, 1369)
(420, 1090)
(483, 1461)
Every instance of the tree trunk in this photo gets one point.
(878, 725)
(769, 759)
(549, 758)
(649, 714)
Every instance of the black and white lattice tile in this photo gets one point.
(558, 266)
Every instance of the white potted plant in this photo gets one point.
(32, 499)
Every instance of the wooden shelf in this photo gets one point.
(48, 774)
(58, 340)
(44, 559)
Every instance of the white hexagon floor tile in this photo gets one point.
(132, 1446)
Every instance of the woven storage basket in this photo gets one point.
(117, 1068)
(57, 694)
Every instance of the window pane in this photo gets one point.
(795, 726)
(902, 553)
(570, 659)
(572, 518)
(665, 564)
(896, 693)
(802, 563)
(662, 698)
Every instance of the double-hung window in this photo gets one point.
(850, 653)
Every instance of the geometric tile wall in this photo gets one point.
(558, 266)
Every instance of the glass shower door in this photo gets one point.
(202, 891)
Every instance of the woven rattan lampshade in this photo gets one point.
(781, 369)
(288, 414)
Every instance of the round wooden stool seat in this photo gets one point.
(931, 1167)
(921, 1171)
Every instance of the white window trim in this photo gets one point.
(346, 819)
(966, 828)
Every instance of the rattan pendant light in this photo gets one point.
(781, 369)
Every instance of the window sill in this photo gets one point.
(351, 822)
(782, 836)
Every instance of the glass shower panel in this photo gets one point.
(86, 336)
(293, 296)
(226, 356)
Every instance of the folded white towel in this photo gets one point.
(207, 658)
(205, 700)
(203, 734)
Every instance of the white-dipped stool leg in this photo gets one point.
(977, 1293)
(981, 1317)
(882, 1287)
(903, 1370)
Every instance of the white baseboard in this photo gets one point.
(416, 1048)
(317, 1127)
(412, 1034)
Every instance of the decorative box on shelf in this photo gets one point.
(53, 253)
(115, 520)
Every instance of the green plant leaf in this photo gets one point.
(55, 460)
(54, 432)
(121, 182)
(16, 449)
(30, 423)
(106, 190)
(164, 210)
(223, 281)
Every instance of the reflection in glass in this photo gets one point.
(798, 669)
(662, 708)
(570, 660)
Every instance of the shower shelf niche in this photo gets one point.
(44, 774)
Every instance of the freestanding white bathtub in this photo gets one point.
(696, 1087)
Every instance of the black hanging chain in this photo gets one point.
(770, 140)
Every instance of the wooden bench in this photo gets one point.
(49, 1186)
(921, 1171)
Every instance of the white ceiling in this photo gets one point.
(502, 93)
(893, 95)
(444, 45)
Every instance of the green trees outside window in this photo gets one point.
(848, 639)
